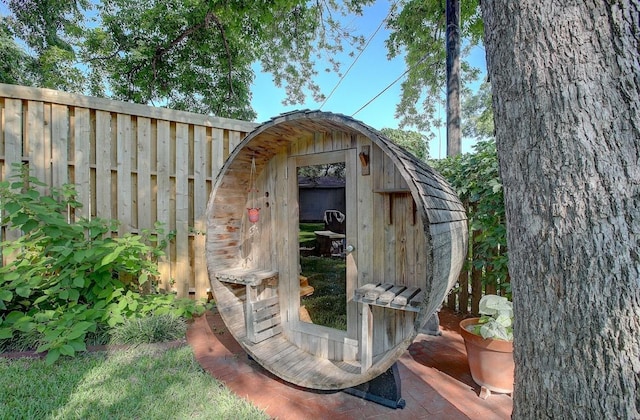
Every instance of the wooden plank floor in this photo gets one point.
(279, 356)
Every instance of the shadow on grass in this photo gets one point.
(143, 382)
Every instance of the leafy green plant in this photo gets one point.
(476, 179)
(66, 278)
(497, 318)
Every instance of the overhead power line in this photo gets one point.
(359, 54)
(389, 85)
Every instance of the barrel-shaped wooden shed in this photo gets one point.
(404, 243)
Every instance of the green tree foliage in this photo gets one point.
(475, 177)
(478, 113)
(414, 142)
(418, 30)
(64, 280)
(50, 30)
(192, 55)
(16, 66)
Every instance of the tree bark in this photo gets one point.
(566, 83)
(453, 77)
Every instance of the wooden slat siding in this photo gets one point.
(59, 142)
(325, 140)
(114, 168)
(12, 151)
(217, 151)
(48, 148)
(2, 129)
(331, 350)
(163, 197)
(81, 154)
(413, 235)
(143, 166)
(261, 256)
(381, 202)
(249, 313)
(13, 141)
(390, 229)
(124, 141)
(290, 293)
(308, 144)
(199, 208)
(389, 318)
(366, 340)
(182, 207)
(377, 331)
(352, 231)
(400, 327)
(234, 140)
(103, 164)
(268, 236)
(379, 219)
(401, 218)
(366, 245)
(40, 157)
(154, 172)
(422, 248)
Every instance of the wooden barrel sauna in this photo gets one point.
(404, 243)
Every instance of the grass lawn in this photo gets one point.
(140, 383)
(328, 304)
(306, 236)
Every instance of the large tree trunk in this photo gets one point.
(566, 82)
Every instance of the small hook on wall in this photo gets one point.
(364, 160)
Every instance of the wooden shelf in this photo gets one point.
(246, 276)
(389, 295)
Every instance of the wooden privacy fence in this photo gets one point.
(474, 281)
(134, 163)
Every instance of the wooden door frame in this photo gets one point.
(349, 157)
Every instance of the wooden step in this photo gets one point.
(305, 288)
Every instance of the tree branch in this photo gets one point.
(210, 16)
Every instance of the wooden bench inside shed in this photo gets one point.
(262, 315)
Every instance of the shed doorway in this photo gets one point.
(326, 272)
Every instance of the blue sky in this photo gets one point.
(372, 73)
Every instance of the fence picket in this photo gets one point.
(81, 160)
(124, 194)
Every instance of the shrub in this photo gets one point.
(476, 179)
(151, 329)
(66, 279)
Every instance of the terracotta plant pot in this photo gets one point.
(490, 361)
(254, 215)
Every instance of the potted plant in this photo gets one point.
(489, 343)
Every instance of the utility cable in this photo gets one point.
(389, 85)
(391, 10)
